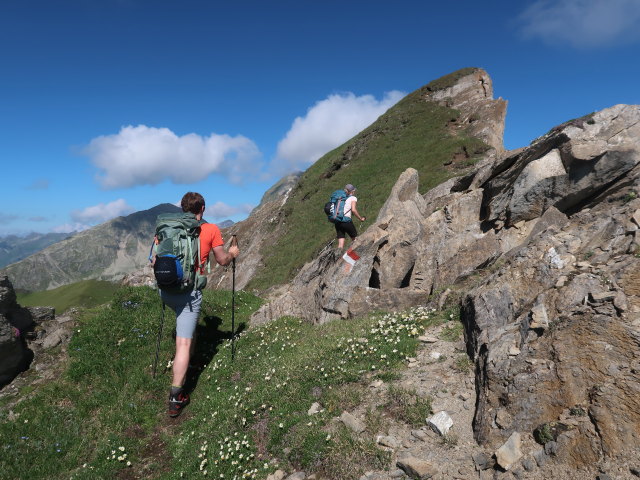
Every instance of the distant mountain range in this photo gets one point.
(14, 248)
(105, 252)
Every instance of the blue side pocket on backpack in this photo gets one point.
(168, 271)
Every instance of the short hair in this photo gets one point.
(192, 202)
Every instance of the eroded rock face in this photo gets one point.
(472, 95)
(566, 168)
(551, 233)
(584, 355)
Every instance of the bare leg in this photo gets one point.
(341, 243)
(181, 360)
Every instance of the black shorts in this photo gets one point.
(346, 227)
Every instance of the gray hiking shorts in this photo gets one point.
(187, 307)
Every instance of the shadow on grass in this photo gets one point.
(208, 339)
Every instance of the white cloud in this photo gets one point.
(102, 212)
(583, 23)
(220, 210)
(327, 125)
(144, 155)
(70, 227)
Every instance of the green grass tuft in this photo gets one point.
(408, 407)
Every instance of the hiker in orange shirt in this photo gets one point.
(187, 305)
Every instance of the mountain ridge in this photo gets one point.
(105, 252)
(14, 248)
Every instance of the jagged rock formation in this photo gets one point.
(407, 254)
(15, 321)
(545, 241)
(13, 355)
(105, 252)
(472, 95)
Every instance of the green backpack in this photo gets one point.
(177, 248)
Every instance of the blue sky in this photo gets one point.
(113, 106)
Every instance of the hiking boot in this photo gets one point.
(177, 403)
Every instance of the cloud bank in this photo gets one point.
(220, 210)
(70, 227)
(582, 23)
(144, 155)
(102, 212)
(327, 125)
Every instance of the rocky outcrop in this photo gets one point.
(472, 96)
(14, 320)
(555, 332)
(409, 252)
(546, 242)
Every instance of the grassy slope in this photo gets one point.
(413, 133)
(88, 293)
(243, 412)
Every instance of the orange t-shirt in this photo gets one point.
(210, 237)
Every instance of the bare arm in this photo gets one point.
(224, 258)
(354, 210)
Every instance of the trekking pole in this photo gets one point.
(155, 363)
(234, 243)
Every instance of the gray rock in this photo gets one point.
(352, 422)
(41, 314)
(388, 441)
(509, 453)
(427, 339)
(503, 418)
(14, 357)
(518, 473)
(529, 464)
(440, 422)
(540, 457)
(315, 408)
(539, 318)
(483, 461)
(54, 339)
(296, 476)
(277, 475)
(603, 296)
(551, 448)
(417, 468)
